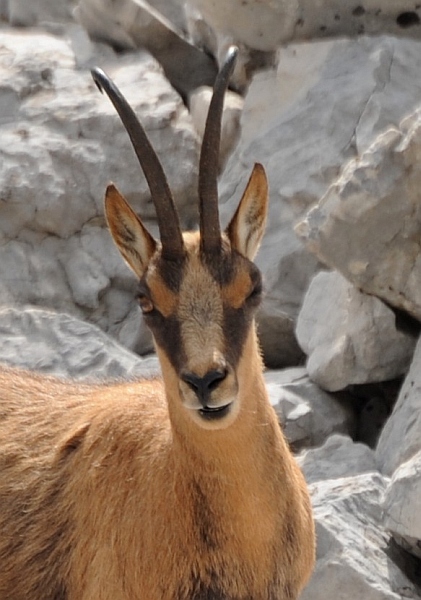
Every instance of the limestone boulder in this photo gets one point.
(265, 25)
(61, 143)
(325, 103)
(367, 225)
(21, 13)
(261, 25)
(400, 439)
(173, 10)
(62, 345)
(308, 414)
(401, 505)
(131, 24)
(354, 556)
(371, 17)
(338, 457)
(349, 337)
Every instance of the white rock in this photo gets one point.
(31, 273)
(360, 229)
(217, 26)
(308, 414)
(400, 439)
(349, 337)
(372, 17)
(338, 457)
(326, 103)
(402, 505)
(172, 10)
(259, 24)
(62, 345)
(24, 13)
(135, 23)
(61, 143)
(87, 52)
(267, 24)
(352, 556)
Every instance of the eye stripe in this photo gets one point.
(167, 334)
(237, 324)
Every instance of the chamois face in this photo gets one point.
(200, 306)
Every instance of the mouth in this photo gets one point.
(211, 414)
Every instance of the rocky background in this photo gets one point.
(337, 123)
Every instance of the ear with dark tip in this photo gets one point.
(247, 226)
(210, 230)
(131, 237)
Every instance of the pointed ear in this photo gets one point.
(129, 234)
(247, 226)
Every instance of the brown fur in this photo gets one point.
(122, 491)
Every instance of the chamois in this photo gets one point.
(180, 488)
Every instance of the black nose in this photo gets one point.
(203, 386)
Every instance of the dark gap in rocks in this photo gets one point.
(358, 11)
(405, 323)
(407, 19)
(409, 564)
(372, 404)
(259, 59)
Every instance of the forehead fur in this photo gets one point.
(192, 286)
(203, 302)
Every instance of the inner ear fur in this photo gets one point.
(247, 226)
(131, 237)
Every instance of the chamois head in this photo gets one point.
(198, 291)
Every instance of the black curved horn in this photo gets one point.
(210, 229)
(168, 221)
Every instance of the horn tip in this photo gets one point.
(232, 53)
(98, 76)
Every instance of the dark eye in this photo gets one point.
(145, 303)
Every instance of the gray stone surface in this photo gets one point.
(172, 10)
(353, 556)
(55, 249)
(266, 25)
(22, 13)
(325, 103)
(400, 439)
(308, 414)
(134, 24)
(338, 457)
(262, 25)
(402, 505)
(359, 227)
(349, 337)
(62, 345)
